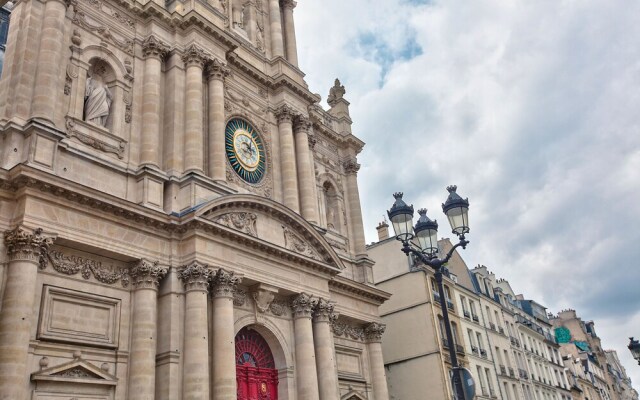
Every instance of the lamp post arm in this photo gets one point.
(433, 262)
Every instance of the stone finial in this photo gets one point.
(351, 166)
(285, 114)
(223, 283)
(153, 47)
(373, 332)
(217, 70)
(289, 4)
(336, 93)
(194, 55)
(195, 276)
(323, 311)
(147, 274)
(302, 305)
(26, 245)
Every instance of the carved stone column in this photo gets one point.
(195, 379)
(275, 24)
(373, 333)
(224, 360)
(306, 372)
(154, 52)
(325, 353)
(194, 59)
(288, 158)
(50, 55)
(216, 72)
(306, 175)
(290, 31)
(351, 168)
(24, 251)
(146, 277)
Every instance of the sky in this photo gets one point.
(532, 108)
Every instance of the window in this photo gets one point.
(454, 333)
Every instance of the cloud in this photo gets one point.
(531, 108)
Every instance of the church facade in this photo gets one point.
(181, 217)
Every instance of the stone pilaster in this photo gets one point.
(306, 372)
(351, 168)
(25, 250)
(146, 276)
(288, 171)
(306, 176)
(290, 31)
(194, 58)
(275, 24)
(49, 61)
(216, 72)
(195, 379)
(325, 353)
(224, 364)
(373, 333)
(154, 52)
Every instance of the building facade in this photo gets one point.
(181, 218)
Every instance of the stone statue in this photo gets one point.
(335, 93)
(237, 13)
(97, 100)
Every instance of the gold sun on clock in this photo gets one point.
(245, 150)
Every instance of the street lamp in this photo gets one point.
(426, 250)
(634, 346)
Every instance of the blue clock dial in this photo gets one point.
(245, 150)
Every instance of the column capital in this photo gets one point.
(373, 332)
(301, 124)
(323, 311)
(147, 274)
(195, 276)
(312, 141)
(288, 4)
(194, 55)
(152, 47)
(224, 283)
(302, 306)
(26, 245)
(351, 165)
(217, 70)
(285, 113)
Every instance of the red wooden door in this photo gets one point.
(256, 375)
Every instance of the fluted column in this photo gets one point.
(224, 363)
(195, 379)
(154, 52)
(275, 24)
(24, 250)
(50, 61)
(306, 175)
(194, 59)
(288, 158)
(325, 353)
(373, 333)
(146, 278)
(306, 372)
(290, 31)
(216, 72)
(351, 168)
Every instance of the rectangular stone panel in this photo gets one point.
(349, 362)
(78, 317)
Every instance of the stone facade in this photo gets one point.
(135, 251)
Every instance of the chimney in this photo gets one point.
(383, 231)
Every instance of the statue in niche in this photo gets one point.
(97, 98)
(331, 206)
(336, 92)
(237, 13)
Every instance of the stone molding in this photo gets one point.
(241, 221)
(285, 114)
(72, 265)
(27, 245)
(107, 35)
(278, 307)
(312, 142)
(194, 55)
(152, 47)
(343, 329)
(301, 124)
(224, 283)
(195, 276)
(295, 243)
(288, 4)
(302, 306)
(147, 274)
(217, 70)
(351, 166)
(323, 311)
(373, 332)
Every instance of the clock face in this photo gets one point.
(245, 150)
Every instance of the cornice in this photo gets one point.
(341, 284)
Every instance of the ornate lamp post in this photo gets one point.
(634, 346)
(426, 250)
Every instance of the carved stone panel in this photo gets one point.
(241, 221)
(295, 243)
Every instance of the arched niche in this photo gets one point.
(331, 203)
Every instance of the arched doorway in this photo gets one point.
(255, 369)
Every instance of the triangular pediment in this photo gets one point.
(77, 371)
(270, 225)
(353, 395)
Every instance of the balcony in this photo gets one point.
(445, 343)
(483, 353)
(533, 377)
(512, 372)
(459, 349)
(492, 326)
(485, 392)
(492, 393)
(436, 297)
(474, 350)
(503, 370)
(450, 305)
(501, 329)
(475, 318)
(523, 373)
(466, 314)
(515, 341)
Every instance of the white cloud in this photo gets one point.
(531, 108)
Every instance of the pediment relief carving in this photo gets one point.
(295, 243)
(75, 371)
(244, 222)
(353, 395)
